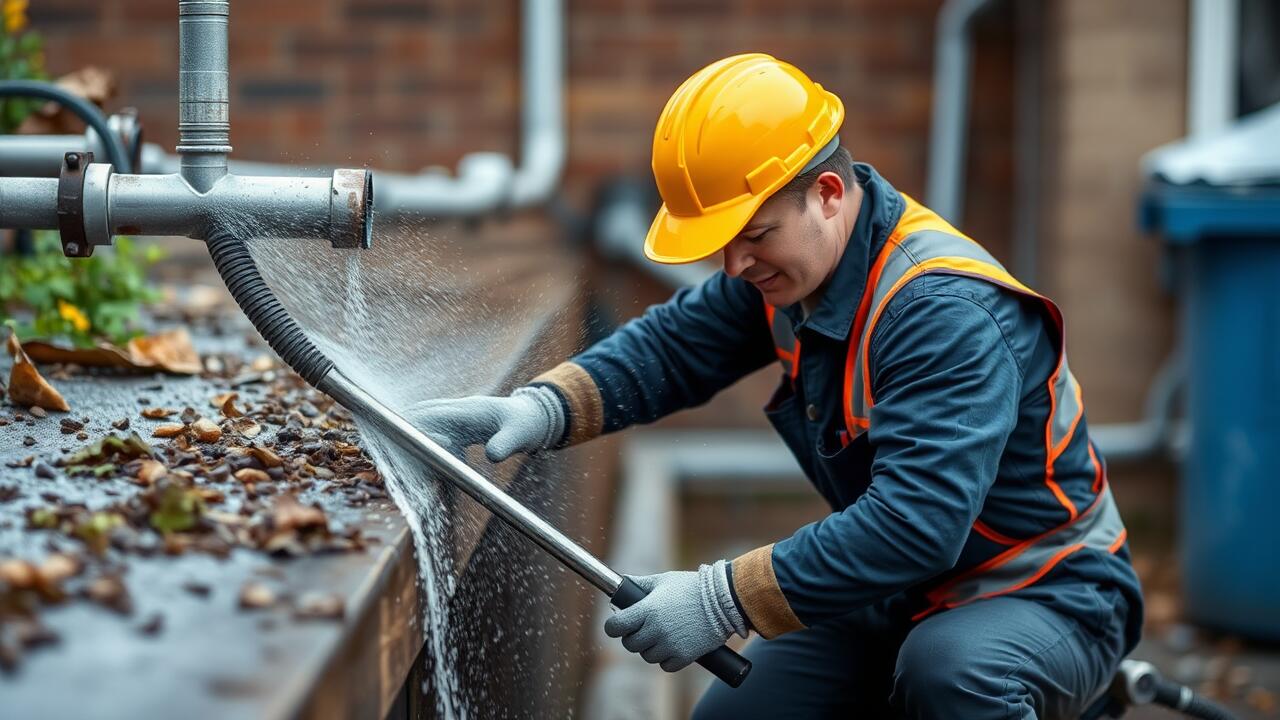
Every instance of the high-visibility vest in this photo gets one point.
(924, 243)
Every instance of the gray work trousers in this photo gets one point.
(1000, 658)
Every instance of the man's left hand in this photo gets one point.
(685, 615)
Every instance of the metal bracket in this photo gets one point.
(71, 204)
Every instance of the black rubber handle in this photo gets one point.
(723, 662)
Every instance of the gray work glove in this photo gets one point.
(686, 615)
(531, 419)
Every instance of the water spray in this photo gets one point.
(90, 203)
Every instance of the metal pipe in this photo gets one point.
(485, 181)
(542, 107)
(521, 518)
(336, 208)
(29, 203)
(41, 155)
(1212, 80)
(204, 120)
(952, 51)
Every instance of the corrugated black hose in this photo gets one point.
(1182, 699)
(240, 273)
(83, 109)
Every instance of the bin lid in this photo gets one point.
(1244, 153)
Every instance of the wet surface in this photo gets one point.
(186, 641)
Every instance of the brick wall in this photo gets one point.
(1115, 87)
(406, 83)
(401, 84)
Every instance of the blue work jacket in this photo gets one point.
(904, 497)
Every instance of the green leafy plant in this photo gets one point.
(46, 294)
(49, 295)
(21, 58)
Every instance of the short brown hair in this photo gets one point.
(840, 163)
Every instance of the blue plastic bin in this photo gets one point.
(1229, 286)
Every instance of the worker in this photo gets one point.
(974, 564)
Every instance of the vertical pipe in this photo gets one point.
(542, 138)
(1211, 75)
(204, 125)
(952, 51)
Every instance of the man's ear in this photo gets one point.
(831, 189)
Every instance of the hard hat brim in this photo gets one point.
(675, 240)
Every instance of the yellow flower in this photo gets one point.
(72, 313)
(15, 16)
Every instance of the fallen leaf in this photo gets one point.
(170, 351)
(176, 507)
(246, 427)
(251, 475)
(110, 591)
(262, 363)
(289, 514)
(58, 567)
(109, 449)
(168, 430)
(319, 606)
(206, 431)
(255, 595)
(95, 530)
(157, 413)
(150, 472)
(26, 386)
(226, 403)
(266, 457)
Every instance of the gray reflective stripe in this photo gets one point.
(1098, 528)
(1065, 392)
(784, 337)
(913, 250)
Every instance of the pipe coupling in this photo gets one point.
(351, 209)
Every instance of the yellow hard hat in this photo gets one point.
(732, 134)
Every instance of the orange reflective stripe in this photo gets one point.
(938, 596)
(999, 276)
(987, 532)
(1098, 475)
(790, 358)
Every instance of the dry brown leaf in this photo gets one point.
(18, 574)
(91, 82)
(59, 567)
(157, 413)
(206, 430)
(226, 403)
(26, 386)
(168, 430)
(266, 457)
(150, 472)
(255, 595)
(319, 606)
(252, 475)
(170, 351)
(246, 427)
(289, 514)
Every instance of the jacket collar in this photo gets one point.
(881, 208)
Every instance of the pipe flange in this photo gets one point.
(351, 209)
(94, 204)
(71, 204)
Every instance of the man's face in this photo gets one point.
(785, 250)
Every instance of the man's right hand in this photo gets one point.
(531, 419)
